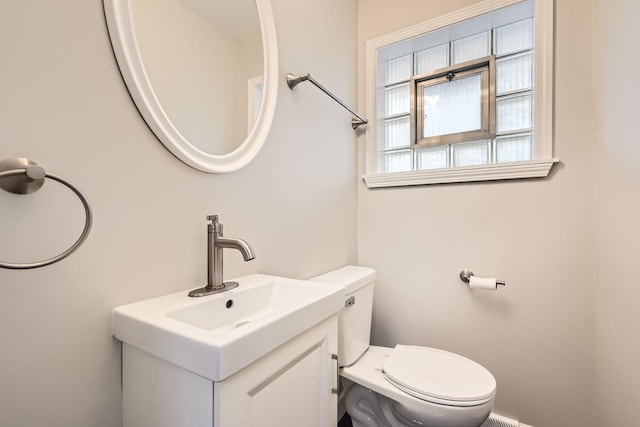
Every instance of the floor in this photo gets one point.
(345, 421)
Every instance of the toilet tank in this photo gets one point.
(354, 321)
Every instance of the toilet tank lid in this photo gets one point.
(352, 277)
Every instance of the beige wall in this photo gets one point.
(617, 214)
(249, 67)
(535, 335)
(64, 105)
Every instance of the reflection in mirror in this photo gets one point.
(199, 62)
(254, 100)
(201, 72)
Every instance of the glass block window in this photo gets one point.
(513, 38)
(398, 100)
(472, 47)
(397, 133)
(453, 107)
(515, 73)
(432, 59)
(432, 157)
(471, 153)
(398, 161)
(514, 148)
(514, 113)
(399, 69)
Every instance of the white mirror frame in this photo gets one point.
(121, 31)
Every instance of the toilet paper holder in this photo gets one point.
(465, 275)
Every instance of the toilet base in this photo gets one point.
(370, 409)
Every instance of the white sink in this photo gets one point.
(217, 335)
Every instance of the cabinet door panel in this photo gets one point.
(290, 387)
(297, 392)
(156, 393)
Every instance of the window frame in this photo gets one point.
(485, 67)
(543, 159)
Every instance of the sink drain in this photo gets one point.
(229, 303)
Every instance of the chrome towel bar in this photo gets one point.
(22, 176)
(294, 79)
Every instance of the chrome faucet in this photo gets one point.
(215, 244)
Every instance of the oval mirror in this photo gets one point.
(202, 73)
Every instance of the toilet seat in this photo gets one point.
(439, 376)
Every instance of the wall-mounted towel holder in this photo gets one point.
(22, 176)
(294, 79)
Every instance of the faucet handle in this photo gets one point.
(212, 218)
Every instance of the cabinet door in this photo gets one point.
(290, 387)
(156, 393)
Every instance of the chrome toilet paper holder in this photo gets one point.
(465, 275)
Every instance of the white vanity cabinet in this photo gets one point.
(291, 386)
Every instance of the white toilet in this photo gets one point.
(405, 385)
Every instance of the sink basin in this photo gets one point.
(217, 335)
(246, 305)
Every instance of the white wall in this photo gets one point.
(535, 335)
(64, 105)
(617, 213)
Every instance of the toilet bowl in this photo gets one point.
(405, 385)
(441, 390)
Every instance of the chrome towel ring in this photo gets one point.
(22, 176)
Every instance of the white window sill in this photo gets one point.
(497, 171)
